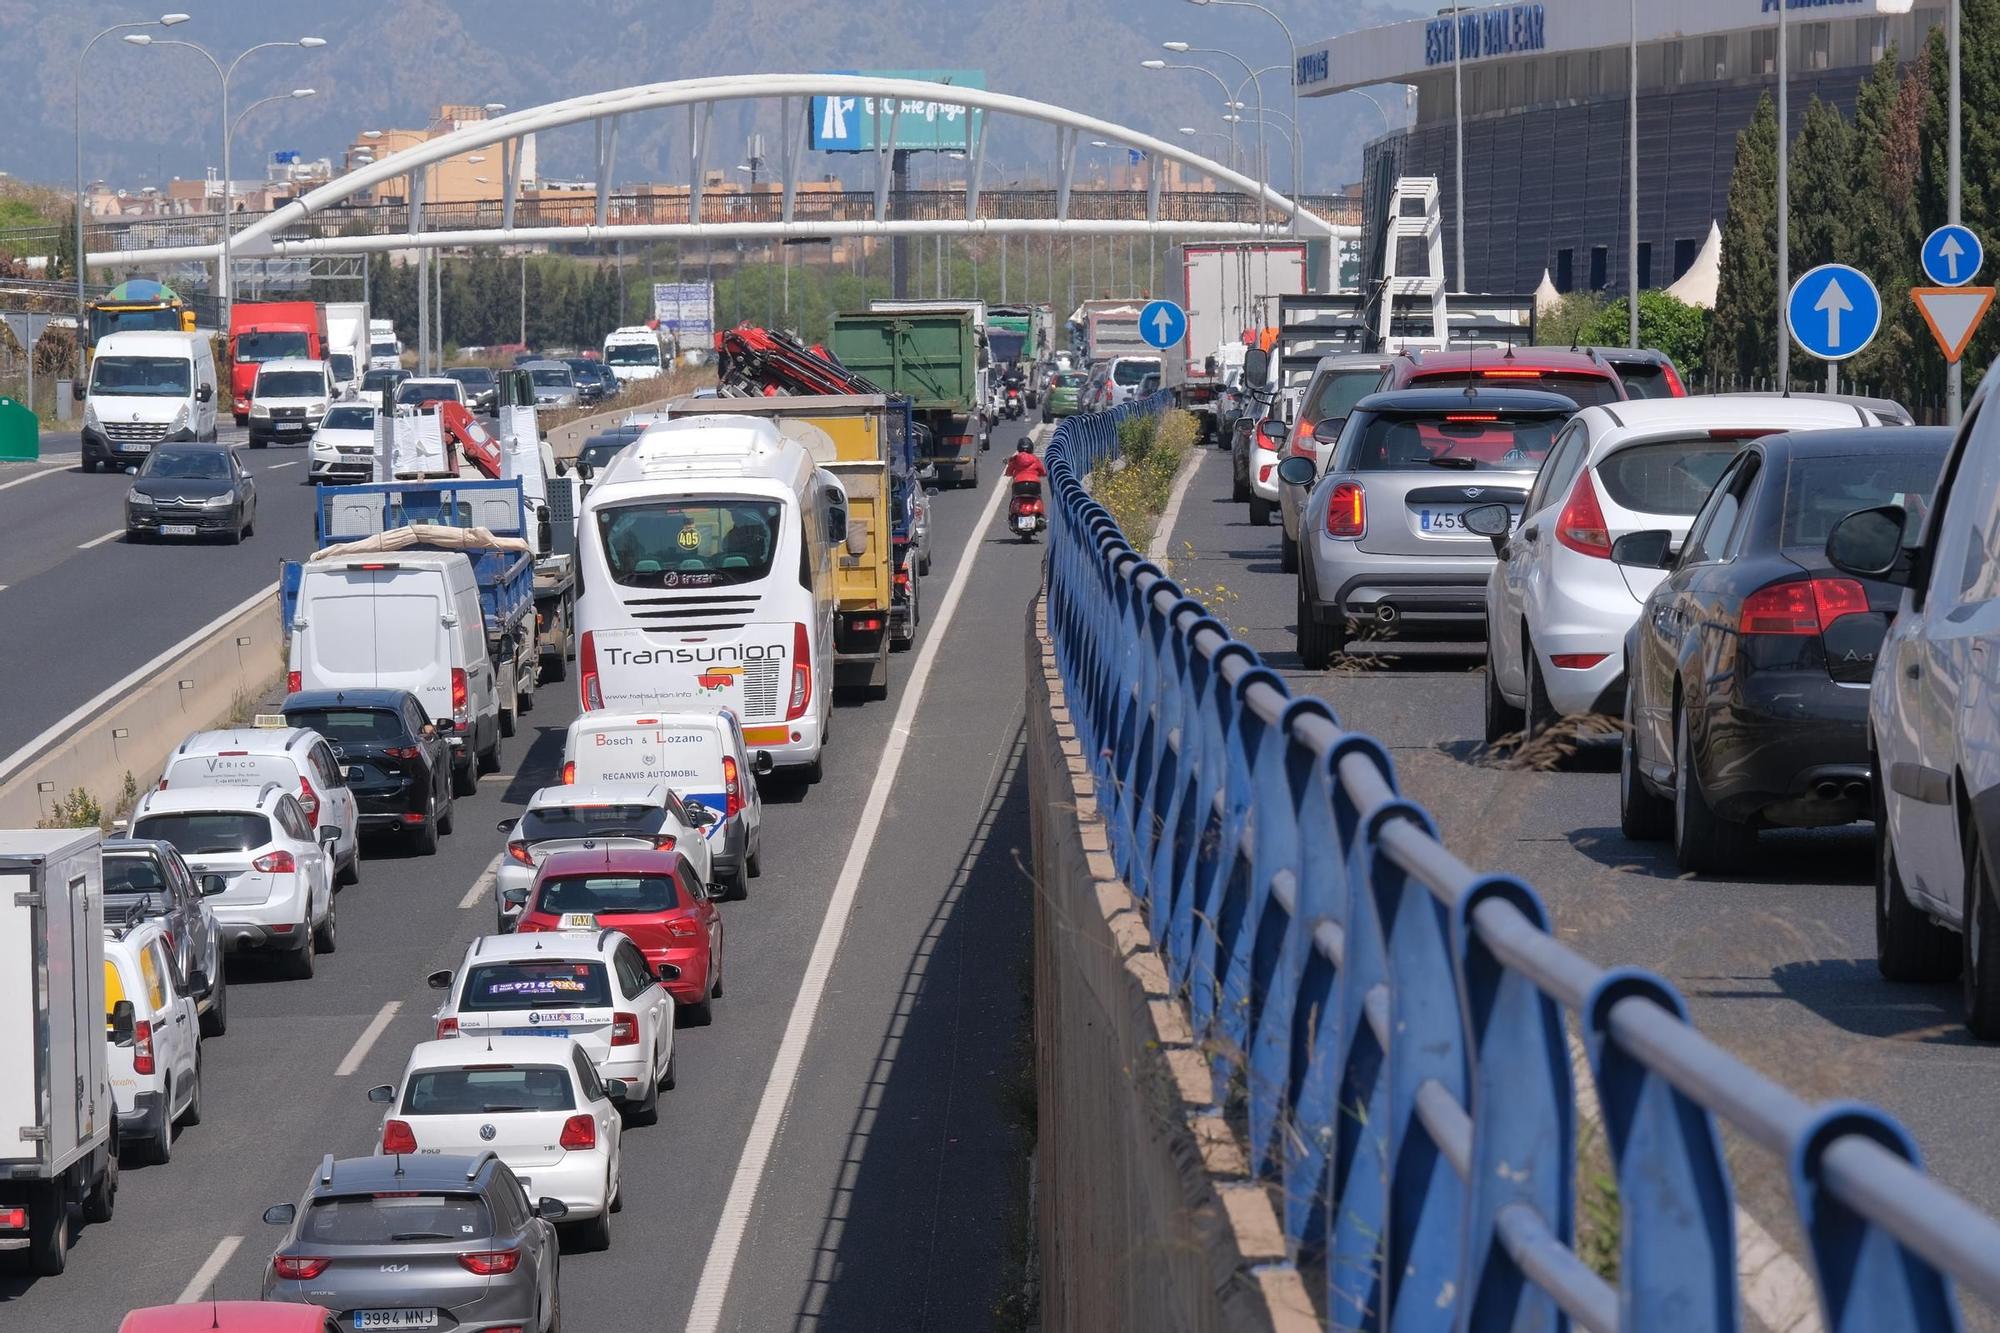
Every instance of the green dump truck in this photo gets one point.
(937, 359)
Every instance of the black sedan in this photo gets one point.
(1749, 664)
(594, 380)
(482, 386)
(191, 490)
(397, 764)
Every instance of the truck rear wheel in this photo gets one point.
(48, 1230)
(103, 1195)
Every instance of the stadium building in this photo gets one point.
(1546, 94)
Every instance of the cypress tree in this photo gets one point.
(1742, 340)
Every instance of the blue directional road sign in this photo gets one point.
(1953, 255)
(1162, 324)
(1834, 312)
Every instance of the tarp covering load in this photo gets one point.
(422, 536)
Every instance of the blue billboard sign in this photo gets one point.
(861, 124)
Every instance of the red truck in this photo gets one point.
(261, 331)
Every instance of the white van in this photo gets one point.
(705, 581)
(145, 388)
(155, 1054)
(636, 352)
(288, 400)
(700, 756)
(406, 620)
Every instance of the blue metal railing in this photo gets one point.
(1393, 1023)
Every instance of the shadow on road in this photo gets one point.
(1851, 994)
(1815, 857)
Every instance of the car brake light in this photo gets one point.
(298, 1268)
(1576, 661)
(801, 673)
(13, 1219)
(528, 925)
(1674, 382)
(292, 682)
(664, 842)
(1581, 525)
(1739, 433)
(275, 863)
(590, 688)
(1472, 416)
(624, 1029)
(1302, 440)
(518, 850)
(732, 786)
(1346, 510)
(569, 773)
(490, 1263)
(447, 1027)
(1511, 374)
(397, 1136)
(401, 752)
(459, 692)
(579, 1131)
(1800, 606)
(683, 929)
(308, 799)
(142, 1047)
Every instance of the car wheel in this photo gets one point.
(250, 524)
(325, 939)
(489, 758)
(673, 1076)
(699, 1015)
(215, 1022)
(235, 537)
(88, 464)
(424, 837)
(300, 964)
(1318, 642)
(594, 1235)
(755, 862)
(555, 1308)
(48, 1233)
(506, 723)
(1260, 512)
(447, 819)
(102, 1199)
(1503, 720)
(1643, 814)
(1239, 487)
(1980, 970)
(350, 874)
(1288, 555)
(464, 778)
(647, 1112)
(1704, 842)
(157, 1148)
(192, 1115)
(1540, 716)
(1909, 945)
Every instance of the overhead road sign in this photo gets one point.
(861, 124)
(1953, 314)
(1162, 324)
(1834, 312)
(1953, 255)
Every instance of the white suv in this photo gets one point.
(288, 400)
(153, 1038)
(624, 815)
(295, 758)
(275, 874)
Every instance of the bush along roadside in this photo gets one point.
(1135, 485)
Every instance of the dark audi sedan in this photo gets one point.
(1750, 663)
(191, 490)
(396, 762)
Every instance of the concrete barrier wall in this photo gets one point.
(134, 726)
(1146, 1217)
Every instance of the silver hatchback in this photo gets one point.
(1382, 541)
(419, 1243)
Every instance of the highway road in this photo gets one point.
(895, 1179)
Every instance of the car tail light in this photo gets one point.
(1264, 473)
(569, 773)
(579, 1131)
(529, 925)
(402, 752)
(142, 1047)
(801, 673)
(1576, 661)
(518, 850)
(681, 928)
(1801, 606)
(1511, 374)
(276, 863)
(1581, 524)
(13, 1219)
(397, 1136)
(1270, 435)
(1302, 440)
(732, 786)
(624, 1029)
(298, 1268)
(447, 1027)
(490, 1263)
(460, 695)
(308, 799)
(1346, 510)
(590, 687)
(664, 842)
(291, 682)
(1674, 382)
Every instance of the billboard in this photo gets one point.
(861, 124)
(686, 310)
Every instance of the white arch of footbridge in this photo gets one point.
(266, 236)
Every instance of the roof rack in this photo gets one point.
(326, 1169)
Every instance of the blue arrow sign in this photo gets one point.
(1162, 324)
(1834, 312)
(1953, 255)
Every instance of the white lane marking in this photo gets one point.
(275, 466)
(112, 535)
(481, 886)
(211, 1268)
(705, 1316)
(32, 476)
(369, 1036)
(1156, 549)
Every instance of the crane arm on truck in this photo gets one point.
(755, 361)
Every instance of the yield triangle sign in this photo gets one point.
(1953, 314)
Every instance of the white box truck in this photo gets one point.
(1226, 289)
(347, 336)
(58, 1142)
(385, 351)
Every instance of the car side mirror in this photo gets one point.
(1651, 549)
(762, 764)
(515, 897)
(1296, 471)
(199, 986)
(1491, 521)
(202, 393)
(1328, 431)
(326, 835)
(668, 972)
(507, 825)
(382, 1095)
(1256, 364)
(551, 1210)
(281, 1214)
(213, 884)
(123, 1016)
(617, 1090)
(857, 537)
(439, 980)
(77, 389)
(1868, 543)
(700, 815)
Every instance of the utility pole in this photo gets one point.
(1954, 375)
(899, 245)
(1632, 190)
(1784, 202)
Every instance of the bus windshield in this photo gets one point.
(692, 543)
(632, 354)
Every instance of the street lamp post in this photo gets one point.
(1250, 76)
(234, 125)
(1199, 69)
(1632, 191)
(224, 75)
(163, 21)
(1291, 57)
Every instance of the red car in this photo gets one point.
(231, 1317)
(654, 898)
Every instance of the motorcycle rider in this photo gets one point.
(1024, 466)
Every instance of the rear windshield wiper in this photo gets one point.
(418, 1235)
(1447, 460)
(490, 1110)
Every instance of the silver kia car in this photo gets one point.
(1382, 541)
(419, 1242)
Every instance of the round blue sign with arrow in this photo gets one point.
(1953, 255)
(1162, 324)
(1834, 312)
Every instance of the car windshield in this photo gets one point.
(411, 392)
(608, 895)
(599, 452)
(342, 365)
(632, 354)
(533, 984)
(188, 465)
(551, 378)
(353, 726)
(141, 376)
(133, 874)
(1132, 372)
(484, 1089)
(1339, 390)
(383, 348)
(1819, 492)
(690, 543)
(290, 384)
(387, 1219)
(1464, 441)
(1670, 477)
(1646, 379)
(478, 376)
(271, 346)
(377, 380)
(206, 832)
(1583, 390)
(590, 821)
(349, 418)
(1072, 379)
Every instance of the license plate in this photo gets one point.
(1025, 524)
(534, 1032)
(396, 1318)
(135, 448)
(177, 529)
(300, 425)
(1442, 520)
